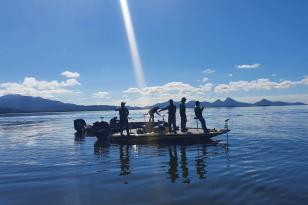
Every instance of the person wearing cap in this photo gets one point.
(123, 113)
(171, 116)
(198, 112)
(183, 115)
(152, 113)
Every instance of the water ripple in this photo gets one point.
(264, 162)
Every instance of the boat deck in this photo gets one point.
(193, 134)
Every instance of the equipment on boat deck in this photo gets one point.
(144, 132)
(100, 128)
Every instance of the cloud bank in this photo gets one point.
(176, 90)
(101, 94)
(33, 87)
(69, 74)
(208, 71)
(259, 84)
(248, 66)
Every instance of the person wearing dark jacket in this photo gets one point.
(123, 113)
(198, 112)
(171, 116)
(152, 113)
(183, 115)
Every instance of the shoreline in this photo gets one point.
(75, 111)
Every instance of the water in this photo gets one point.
(264, 162)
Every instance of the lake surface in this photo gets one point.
(263, 161)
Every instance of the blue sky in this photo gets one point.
(253, 48)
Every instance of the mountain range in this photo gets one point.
(38, 104)
(229, 102)
(19, 103)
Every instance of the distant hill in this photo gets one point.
(19, 103)
(38, 104)
(229, 102)
(265, 102)
(8, 110)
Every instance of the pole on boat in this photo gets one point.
(227, 128)
(227, 138)
(226, 124)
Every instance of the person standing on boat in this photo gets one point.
(198, 113)
(183, 115)
(171, 116)
(152, 113)
(123, 113)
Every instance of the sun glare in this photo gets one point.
(132, 44)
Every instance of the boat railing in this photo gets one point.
(227, 124)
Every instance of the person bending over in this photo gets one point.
(152, 112)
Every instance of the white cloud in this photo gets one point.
(101, 94)
(33, 87)
(305, 80)
(259, 84)
(209, 71)
(230, 75)
(205, 80)
(69, 74)
(172, 90)
(249, 66)
(70, 82)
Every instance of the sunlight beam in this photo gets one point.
(132, 44)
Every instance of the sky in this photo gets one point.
(148, 51)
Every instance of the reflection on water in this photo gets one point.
(124, 160)
(101, 148)
(200, 163)
(178, 167)
(185, 170)
(173, 163)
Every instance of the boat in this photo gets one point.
(193, 135)
(144, 132)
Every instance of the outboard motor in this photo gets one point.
(80, 125)
(102, 130)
